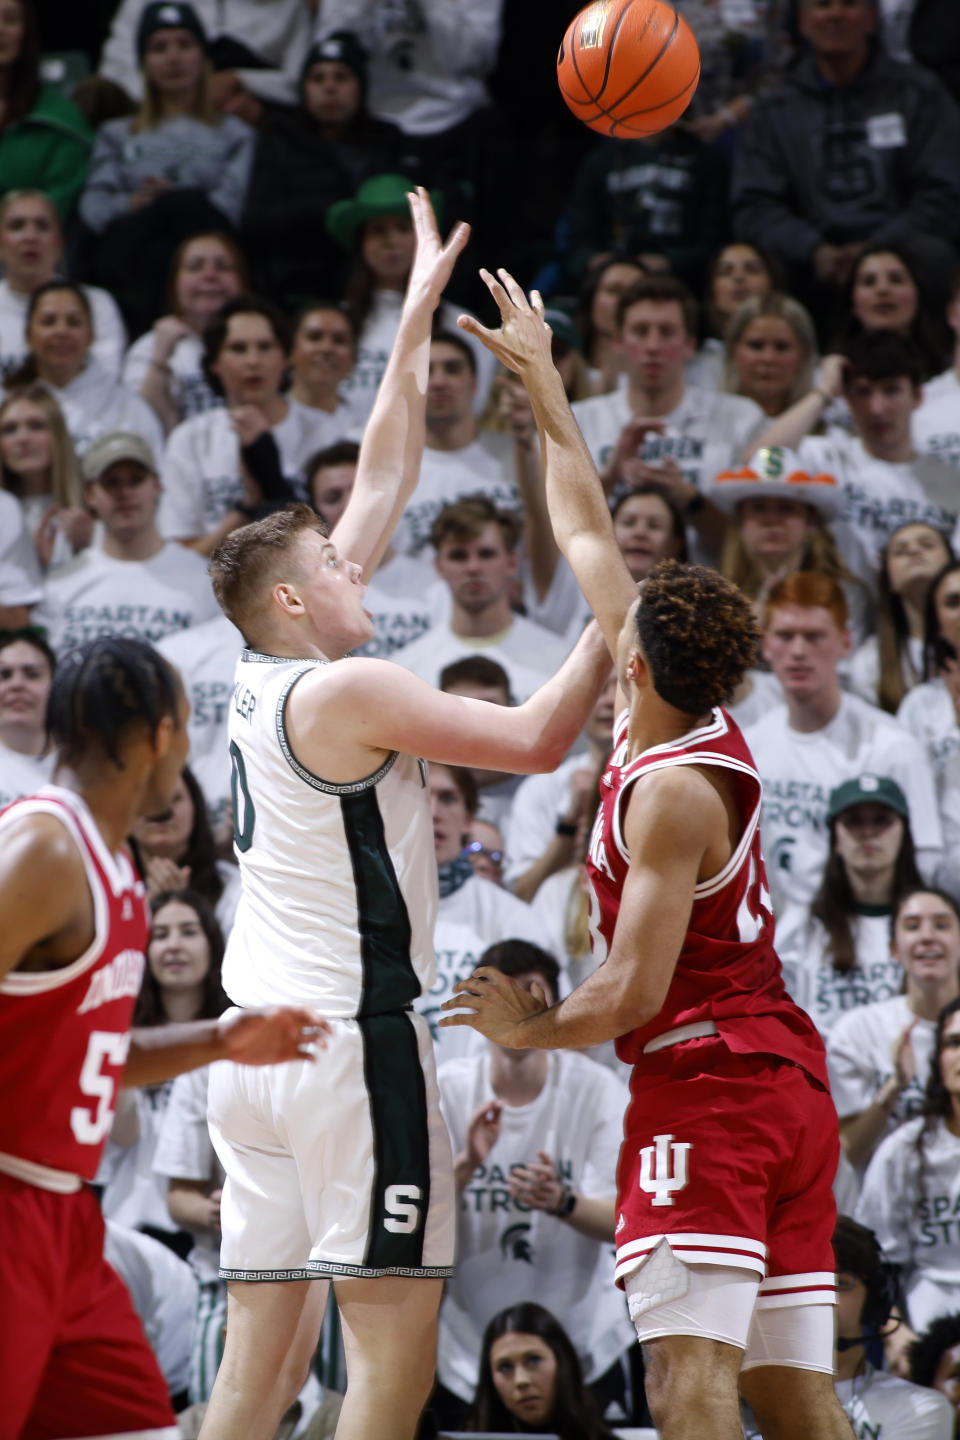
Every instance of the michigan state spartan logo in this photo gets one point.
(663, 1168)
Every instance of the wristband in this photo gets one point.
(564, 827)
(566, 1204)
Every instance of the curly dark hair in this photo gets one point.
(698, 635)
(926, 1352)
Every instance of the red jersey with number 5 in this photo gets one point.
(727, 971)
(64, 1034)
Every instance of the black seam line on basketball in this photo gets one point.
(652, 109)
(690, 86)
(613, 39)
(608, 110)
(397, 1099)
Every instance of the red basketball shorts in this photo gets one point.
(731, 1159)
(74, 1360)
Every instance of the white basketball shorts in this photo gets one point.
(341, 1167)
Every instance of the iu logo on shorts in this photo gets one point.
(663, 1168)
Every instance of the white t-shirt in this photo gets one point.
(206, 656)
(163, 1289)
(109, 331)
(529, 654)
(191, 393)
(201, 469)
(97, 595)
(132, 1194)
(23, 774)
(800, 769)
(469, 919)
(766, 692)
(864, 673)
(376, 342)
(825, 992)
(458, 949)
(398, 620)
(185, 1152)
(564, 608)
(506, 1253)
(884, 1407)
(928, 713)
(860, 1057)
(484, 467)
(427, 62)
(537, 806)
(706, 433)
(915, 1210)
(96, 402)
(878, 495)
(20, 579)
(936, 420)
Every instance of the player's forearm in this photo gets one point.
(604, 1007)
(557, 856)
(163, 1051)
(794, 424)
(861, 1134)
(575, 498)
(189, 1205)
(393, 441)
(556, 713)
(594, 1216)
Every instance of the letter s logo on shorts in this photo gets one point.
(662, 1176)
(402, 1205)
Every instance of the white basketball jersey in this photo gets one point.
(339, 881)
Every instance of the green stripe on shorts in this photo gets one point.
(401, 1146)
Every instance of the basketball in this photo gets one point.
(628, 68)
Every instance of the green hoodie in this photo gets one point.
(48, 150)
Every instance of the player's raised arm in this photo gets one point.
(578, 507)
(389, 464)
(670, 838)
(358, 710)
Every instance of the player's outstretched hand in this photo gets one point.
(433, 261)
(494, 1005)
(268, 1037)
(523, 341)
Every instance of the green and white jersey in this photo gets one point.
(339, 881)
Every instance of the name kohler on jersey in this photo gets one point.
(244, 701)
(123, 976)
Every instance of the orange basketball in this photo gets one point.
(628, 67)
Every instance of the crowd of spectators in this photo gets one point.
(204, 242)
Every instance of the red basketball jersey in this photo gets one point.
(64, 1034)
(727, 971)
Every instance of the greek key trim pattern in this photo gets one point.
(299, 1274)
(364, 1272)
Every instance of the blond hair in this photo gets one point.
(774, 305)
(737, 562)
(66, 484)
